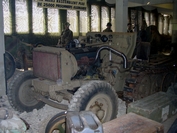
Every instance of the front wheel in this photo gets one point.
(57, 123)
(20, 94)
(98, 97)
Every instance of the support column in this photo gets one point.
(2, 51)
(174, 23)
(121, 15)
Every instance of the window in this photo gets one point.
(152, 19)
(83, 22)
(113, 18)
(73, 20)
(140, 20)
(170, 26)
(7, 17)
(38, 19)
(146, 16)
(104, 17)
(21, 16)
(53, 21)
(95, 23)
(160, 24)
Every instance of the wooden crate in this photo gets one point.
(159, 106)
(132, 123)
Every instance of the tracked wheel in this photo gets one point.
(168, 80)
(156, 80)
(20, 94)
(143, 87)
(98, 97)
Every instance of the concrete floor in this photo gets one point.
(167, 124)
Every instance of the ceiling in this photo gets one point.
(163, 6)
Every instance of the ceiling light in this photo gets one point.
(148, 3)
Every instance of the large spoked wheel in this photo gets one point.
(20, 94)
(9, 65)
(98, 97)
(57, 124)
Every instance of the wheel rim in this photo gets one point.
(59, 126)
(26, 94)
(101, 106)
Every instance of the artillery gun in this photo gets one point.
(91, 75)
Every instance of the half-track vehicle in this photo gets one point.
(91, 75)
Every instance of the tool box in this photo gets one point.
(159, 106)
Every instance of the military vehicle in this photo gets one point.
(91, 75)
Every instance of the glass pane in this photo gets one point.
(146, 16)
(38, 19)
(21, 16)
(170, 26)
(166, 25)
(104, 17)
(53, 21)
(7, 17)
(133, 18)
(113, 18)
(152, 19)
(72, 18)
(83, 22)
(160, 24)
(95, 24)
(140, 20)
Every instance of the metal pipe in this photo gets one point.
(115, 51)
(51, 103)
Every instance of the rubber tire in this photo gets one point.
(55, 122)
(9, 65)
(85, 93)
(21, 102)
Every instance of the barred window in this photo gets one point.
(95, 23)
(21, 16)
(140, 20)
(104, 17)
(7, 17)
(83, 22)
(72, 18)
(152, 19)
(38, 19)
(146, 16)
(53, 21)
(160, 24)
(113, 18)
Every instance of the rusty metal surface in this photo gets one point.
(46, 65)
(132, 123)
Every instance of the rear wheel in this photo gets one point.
(98, 97)
(20, 94)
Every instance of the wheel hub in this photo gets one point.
(97, 109)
